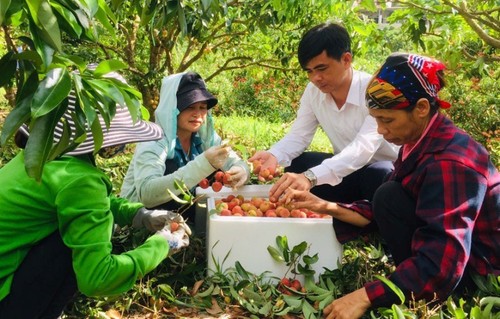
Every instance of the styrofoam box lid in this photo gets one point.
(245, 239)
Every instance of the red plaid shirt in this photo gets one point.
(457, 193)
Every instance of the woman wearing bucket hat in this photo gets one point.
(55, 235)
(439, 211)
(190, 150)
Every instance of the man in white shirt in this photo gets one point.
(335, 100)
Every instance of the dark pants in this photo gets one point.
(43, 284)
(394, 211)
(358, 185)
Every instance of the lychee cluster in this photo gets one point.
(289, 286)
(218, 180)
(266, 174)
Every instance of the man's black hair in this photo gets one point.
(330, 37)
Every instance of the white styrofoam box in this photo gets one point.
(201, 209)
(245, 239)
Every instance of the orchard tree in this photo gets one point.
(40, 70)
(157, 38)
(466, 36)
(42, 75)
(457, 30)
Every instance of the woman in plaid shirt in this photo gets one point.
(439, 210)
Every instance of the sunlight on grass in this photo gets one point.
(259, 134)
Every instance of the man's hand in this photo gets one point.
(239, 176)
(288, 180)
(154, 220)
(351, 306)
(267, 160)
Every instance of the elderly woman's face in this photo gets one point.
(399, 126)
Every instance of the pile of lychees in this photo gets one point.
(238, 205)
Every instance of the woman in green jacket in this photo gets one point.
(55, 235)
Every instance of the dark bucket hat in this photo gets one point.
(191, 90)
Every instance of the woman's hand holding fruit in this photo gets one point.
(237, 176)
(217, 155)
(305, 199)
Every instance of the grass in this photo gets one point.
(258, 134)
(181, 288)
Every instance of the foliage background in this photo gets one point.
(246, 52)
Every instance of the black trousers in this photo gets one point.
(43, 284)
(358, 185)
(394, 211)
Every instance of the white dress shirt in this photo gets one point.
(350, 129)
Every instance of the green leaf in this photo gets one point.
(241, 284)
(368, 5)
(91, 7)
(293, 301)
(300, 248)
(275, 254)
(309, 260)
(207, 292)
(308, 311)
(266, 309)
(48, 25)
(145, 113)
(282, 242)
(490, 300)
(325, 302)
(397, 312)
(40, 142)
(97, 134)
(69, 60)
(252, 295)
(15, 119)
(4, 6)
(104, 15)
(284, 312)
(22, 111)
(305, 270)
(30, 55)
(105, 88)
(241, 271)
(175, 197)
(181, 16)
(61, 146)
(8, 67)
(108, 66)
(71, 24)
(51, 91)
(393, 287)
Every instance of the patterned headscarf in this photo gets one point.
(404, 79)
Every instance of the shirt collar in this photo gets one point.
(408, 148)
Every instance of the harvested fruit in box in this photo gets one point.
(260, 207)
